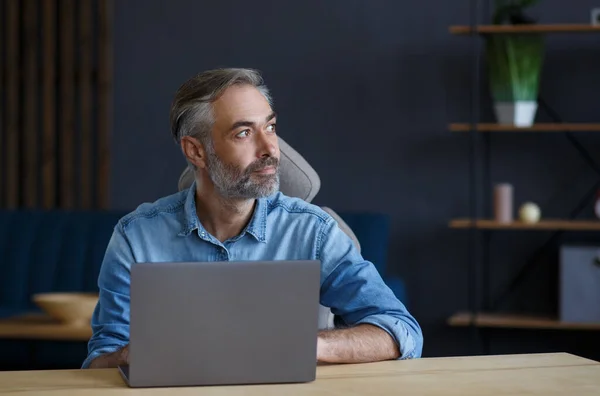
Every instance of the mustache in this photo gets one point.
(262, 163)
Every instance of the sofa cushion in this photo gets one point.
(372, 231)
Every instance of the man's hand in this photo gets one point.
(112, 360)
(361, 344)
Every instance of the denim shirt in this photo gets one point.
(281, 228)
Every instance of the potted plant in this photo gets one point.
(514, 64)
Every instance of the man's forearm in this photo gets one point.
(111, 360)
(361, 344)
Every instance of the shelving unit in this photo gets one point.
(508, 321)
(480, 227)
(546, 225)
(507, 29)
(546, 127)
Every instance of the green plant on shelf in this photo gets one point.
(514, 63)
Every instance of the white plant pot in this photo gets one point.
(520, 113)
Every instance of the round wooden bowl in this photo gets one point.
(69, 308)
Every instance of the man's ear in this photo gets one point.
(194, 151)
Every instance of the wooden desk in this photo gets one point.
(545, 374)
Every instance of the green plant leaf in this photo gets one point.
(514, 64)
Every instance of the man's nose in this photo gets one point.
(268, 145)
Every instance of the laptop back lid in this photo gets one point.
(223, 323)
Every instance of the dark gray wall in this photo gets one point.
(365, 89)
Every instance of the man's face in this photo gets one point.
(243, 161)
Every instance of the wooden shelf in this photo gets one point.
(565, 225)
(463, 319)
(552, 28)
(563, 127)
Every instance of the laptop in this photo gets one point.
(223, 323)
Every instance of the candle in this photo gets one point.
(503, 203)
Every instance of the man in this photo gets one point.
(226, 127)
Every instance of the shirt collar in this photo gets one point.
(257, 227)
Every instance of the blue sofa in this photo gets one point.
(45, 251)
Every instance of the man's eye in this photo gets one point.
(271, 128)
(243, 133)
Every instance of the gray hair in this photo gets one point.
(191, 111)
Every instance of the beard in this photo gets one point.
(234, 182)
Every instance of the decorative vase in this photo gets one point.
(520, 113)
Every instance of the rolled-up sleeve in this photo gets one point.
(354, 290)
(110, 320)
